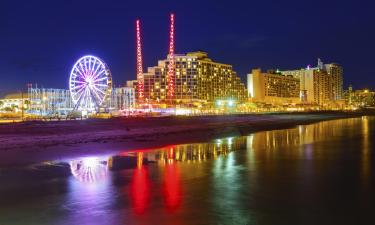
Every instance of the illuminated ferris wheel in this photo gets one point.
(90, 83)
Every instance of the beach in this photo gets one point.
(35, 141)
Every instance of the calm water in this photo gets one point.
(315, 174)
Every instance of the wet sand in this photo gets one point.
(39, 141)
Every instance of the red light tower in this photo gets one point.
(140, 78)
(171, 65)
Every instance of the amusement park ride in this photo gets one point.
(90, 81)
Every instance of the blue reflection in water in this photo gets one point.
(91, 193)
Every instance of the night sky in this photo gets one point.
(41, 40)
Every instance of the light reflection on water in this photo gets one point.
(292, 176)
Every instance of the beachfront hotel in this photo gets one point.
(198, 79)
(273, 87)
(320, 85)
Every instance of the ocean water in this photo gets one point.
(321, 173)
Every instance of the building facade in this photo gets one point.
(122, 98)
(14, 102)
(319, 85)
(273, 87)
(197, 79)
(335, 74)
(49, 101)
(359, 98)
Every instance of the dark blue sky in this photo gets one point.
(41, 40)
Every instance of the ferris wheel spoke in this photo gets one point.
(79, 99)
(100, 94)
(89, 63)
(87, 97)
(97, 95)
(83, 71)
(85, 64)
(80, 72)
(101, 85)
(99, 90)
(97, 67)
(98, 74)
(76, 76)
(80, 92)
(92, 65)
(78, 82)
(79, 87)
(101, 79)
(92, 98)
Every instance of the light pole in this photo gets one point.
(22, 105)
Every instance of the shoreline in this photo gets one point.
(32, 142)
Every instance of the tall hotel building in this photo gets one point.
(320, 85)
(197, 80)
(272, 87)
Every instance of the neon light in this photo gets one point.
(171, 65)
(90, 82)
(140, 77)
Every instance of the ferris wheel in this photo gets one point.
(90, 83)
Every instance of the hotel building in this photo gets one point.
(319, 85)
(359, 98)
(197, 80)
(272, 87)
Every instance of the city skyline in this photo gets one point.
(52, 46)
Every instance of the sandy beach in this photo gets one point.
(37, 141)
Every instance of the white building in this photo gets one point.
(321, 84)
(122, 98)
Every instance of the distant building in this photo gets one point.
(273, 87)
(14, 101)
(359, 98)
(197, 79)
(319, 85)
(335, 74)
(122, 98)
(131, 83)
(49, 101)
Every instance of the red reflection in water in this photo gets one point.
(172, 186)
(140, 187)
